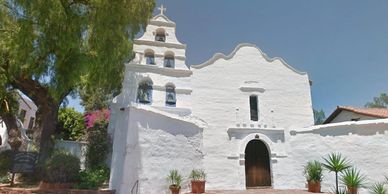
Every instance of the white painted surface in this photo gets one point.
(345, 115)
(211, 127)
(76, 148)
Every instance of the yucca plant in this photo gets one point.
(313, 171)
(336, 163)
(378, 188)
(175, 179)
(353, 179)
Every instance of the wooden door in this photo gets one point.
(257, 167)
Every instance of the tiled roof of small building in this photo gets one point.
(372, 112)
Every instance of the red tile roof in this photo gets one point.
(372, 112)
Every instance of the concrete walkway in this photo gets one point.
(260, 191)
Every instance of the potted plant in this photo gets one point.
(378, 188)
(336, 163)
(175, 181)
(353, 180)
(198, 180)
(313, 173)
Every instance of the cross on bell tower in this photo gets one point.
(162, 9)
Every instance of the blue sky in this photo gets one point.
(342, 45)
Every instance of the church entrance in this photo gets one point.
(257, 166)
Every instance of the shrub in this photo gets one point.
(61, 167)
(378, 188)
(93, 178)
(313, 171)
(99, 145)
(198, 175)
(352, 178)
(5, 162)
(71, 124)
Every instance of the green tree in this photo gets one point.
(336, 163)
(71, 124)
(319, 116)
(48, 49)
(378, 102)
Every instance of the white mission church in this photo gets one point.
(244, 118)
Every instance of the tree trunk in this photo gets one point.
(14, 135)
(47, 118)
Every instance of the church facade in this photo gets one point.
(245, 118)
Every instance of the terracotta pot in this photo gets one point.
(175, 190)
(46, 185)
(198, 186)
(352, 190)
(314, 187)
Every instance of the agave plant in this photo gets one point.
(313, 171)
(353, 179)
(336, 163)
(378, 188)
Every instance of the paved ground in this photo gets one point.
(260, 191)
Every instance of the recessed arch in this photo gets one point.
(169, 59)
(257, 164)
(150, 56)
(144, 91)
(170, 95)
(160, 35)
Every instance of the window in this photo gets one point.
(170, 95)
(253, 102)
(160, 35)
(150, 57)
(169, 60)
(144, 92)
(31, 123)
(22, 114)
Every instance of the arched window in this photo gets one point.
(169, 59)
(150, 57)
(144, 92)
(160, 35)
(170, 95)
(254, 106)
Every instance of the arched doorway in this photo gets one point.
(257, 166)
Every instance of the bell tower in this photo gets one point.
(158, 75)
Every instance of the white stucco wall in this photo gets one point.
(345, 115)
(148, 144)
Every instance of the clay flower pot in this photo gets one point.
(198, 186)
(314, 187)
(352, 190)
(175, 190)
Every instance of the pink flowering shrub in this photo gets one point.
(98, 116)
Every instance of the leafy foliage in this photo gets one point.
(71, 124)
(336, 163)
(198, 175)
(353, 178)
(99, 145)
(313, 171)
(48, 49)
(319, 116)
(175, 179)
(93, 178)
(98, 116)
(61, 167)
(378, 188)
(378, 102)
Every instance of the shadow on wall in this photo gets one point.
(354, 127)
(173, 126)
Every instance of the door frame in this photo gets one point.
(244, 142)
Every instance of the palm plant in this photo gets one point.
(353, 179)
(336, 163)
(378, 188)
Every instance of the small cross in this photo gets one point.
(162, 9)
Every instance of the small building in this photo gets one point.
(348, 113)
